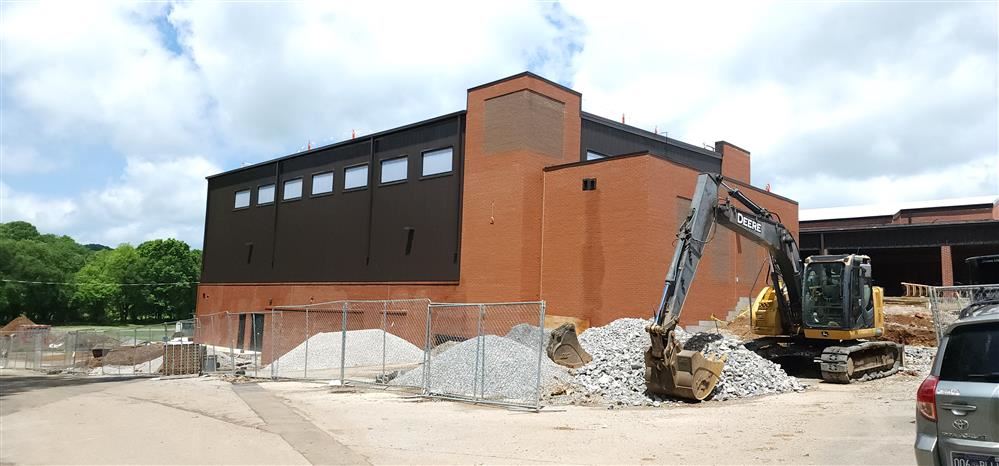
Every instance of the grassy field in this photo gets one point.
(155, 332)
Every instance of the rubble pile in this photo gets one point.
(508, 372)
(746, 373)
(617, 373)
(919, 358)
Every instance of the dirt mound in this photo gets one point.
(137, 355)
(914, 328)
(740, 327)
(14, 324)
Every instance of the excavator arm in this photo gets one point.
(670, 370)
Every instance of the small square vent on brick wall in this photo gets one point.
(589, 184)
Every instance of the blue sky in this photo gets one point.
(113, 113)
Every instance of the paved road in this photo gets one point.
(204, 420)
(56, 420)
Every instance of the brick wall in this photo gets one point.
(502, 196)
(606, 251)
(735, 161)
(946, 266)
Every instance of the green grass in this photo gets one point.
(122, 332)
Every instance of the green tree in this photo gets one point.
(169, 261)
(100, 291)
(52, 279)
(48, 260)
(18, 231)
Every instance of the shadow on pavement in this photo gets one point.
(13, 384)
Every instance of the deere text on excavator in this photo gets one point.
(823, 307)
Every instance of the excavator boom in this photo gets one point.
(671, 371)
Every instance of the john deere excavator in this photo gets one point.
(820, 308)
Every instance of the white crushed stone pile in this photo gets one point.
(511, 371)
(617, 372)
(149, 367)
(919, 358)
(363, 348)
(745, 374)
(527, 335)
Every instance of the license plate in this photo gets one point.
(973, 459)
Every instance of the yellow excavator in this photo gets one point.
(822, 308)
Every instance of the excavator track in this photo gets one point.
(862, 361)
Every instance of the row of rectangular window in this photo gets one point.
(393, 170)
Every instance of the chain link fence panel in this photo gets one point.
(947, 303)
(134, 350)
(486, 353)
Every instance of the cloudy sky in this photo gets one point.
(113, 113)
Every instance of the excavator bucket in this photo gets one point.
(677, 373)
(564, 349)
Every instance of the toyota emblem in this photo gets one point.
(961, 424)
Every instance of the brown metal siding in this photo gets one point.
(345, 236)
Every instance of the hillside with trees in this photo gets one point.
(55, 280)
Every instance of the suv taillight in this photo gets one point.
(926, 398)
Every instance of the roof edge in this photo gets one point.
(648, 134)
(526, 74)
(733, 145)
(341, 143)
(763, 191)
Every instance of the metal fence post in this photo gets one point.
(478, 352)
(426, 350)
(232, 342)
(76, 344)
(305, 374)
(384, 336)
(135, 346)
(343, 344)
(541, 350)
(253, 339)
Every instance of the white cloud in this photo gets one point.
(891, 101)
(896, 100)
(150, 199)
(257, 80)
(319, 70)
(974, 178)
(48, 214)
(25, 160)
(98, 73)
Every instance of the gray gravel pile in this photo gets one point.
(617, 373)
(442, 347)
(746, 374)
(363, 348)
(511, 371)
(527, 335)
(919, 358)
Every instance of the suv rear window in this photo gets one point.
(972, 354)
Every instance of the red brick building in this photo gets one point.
(482, 205)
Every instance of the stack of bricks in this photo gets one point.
(183, 358)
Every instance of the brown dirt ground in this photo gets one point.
(906, 324)
(136, 355)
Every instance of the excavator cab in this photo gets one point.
(837, 293)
